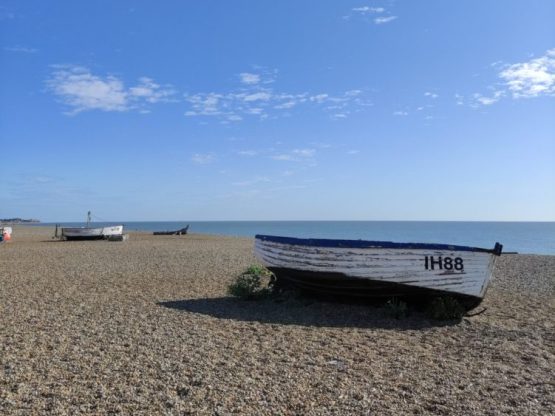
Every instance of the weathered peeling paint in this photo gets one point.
(391, 264)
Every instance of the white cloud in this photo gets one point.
(263, 95)
(338, 116)
(234, 117)
(479, 99)
(304, 152)
(353, 152)
(296, 155)
(534, 78)
(285, 156)
(531, 79)
(261, 101)
(400, 113)
(151, 91)
(367, 9)
(249, 79)
(484, 100)
(286, 105)
(20, 49)
(385, 19)
(431, 95)
(254, 181)
(204, 104)
(381, 15)
(247, 153)
(319, 98)
(203, 159)
(80, 90)
(353, 93)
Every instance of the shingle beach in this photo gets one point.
(146, 326)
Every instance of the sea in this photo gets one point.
(521, 237)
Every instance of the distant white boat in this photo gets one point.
(377, 268)
(90, 233)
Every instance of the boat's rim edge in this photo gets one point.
(339, 243)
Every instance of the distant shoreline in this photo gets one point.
(14, 221)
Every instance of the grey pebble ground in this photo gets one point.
(146, 327)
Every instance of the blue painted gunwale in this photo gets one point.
(322, 242)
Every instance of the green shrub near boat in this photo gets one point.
(248, 285)
(445, 308)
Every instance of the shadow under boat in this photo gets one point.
(310, 310)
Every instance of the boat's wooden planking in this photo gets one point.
(112, 230)
(461, 272)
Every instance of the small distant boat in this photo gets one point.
(90, 233)
(181, 231)
(378, 268)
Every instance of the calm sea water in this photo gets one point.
(523, 237)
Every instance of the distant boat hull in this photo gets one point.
(86, 233)
(379, 269)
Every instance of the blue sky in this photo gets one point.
(266, 110)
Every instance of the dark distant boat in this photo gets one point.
(378, 268)
(90, 233)
(181, 231)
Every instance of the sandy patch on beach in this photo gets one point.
(146, 327)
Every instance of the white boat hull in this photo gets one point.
(86, 233)
(114, 230)
(392, 268)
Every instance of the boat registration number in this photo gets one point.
(443, 263)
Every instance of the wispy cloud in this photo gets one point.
(431, 95)
(151, 92)
(479, 99)
(533, 78)
(368, 9)
(296, 155)
(400, 113)
(378, 15)
(384, 19)
(203, 158)
(20, 49)
(254, 181)
(255, 98)
(249, 78)
(249, 153)
(80, 90)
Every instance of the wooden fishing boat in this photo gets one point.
(181, 231)
(378, 268)
(90, 233)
